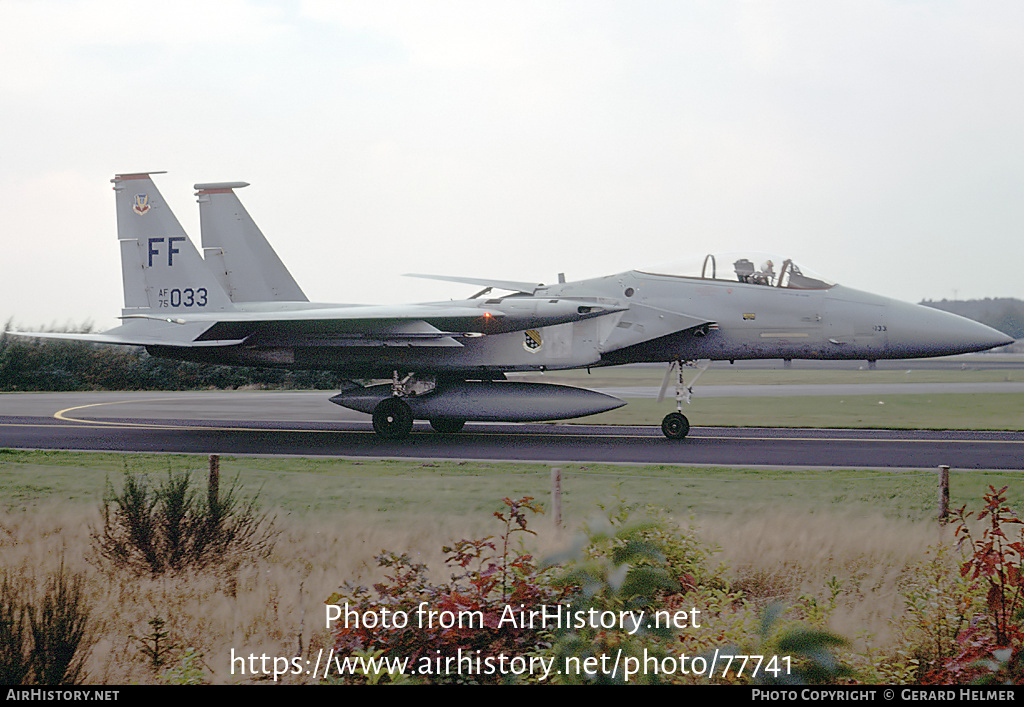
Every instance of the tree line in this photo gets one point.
(1003, 313)
(63, 365)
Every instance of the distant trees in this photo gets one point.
(52, 365)
(1003, 313)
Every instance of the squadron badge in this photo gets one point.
(532, 341)
(141, 205)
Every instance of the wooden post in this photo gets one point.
(556, 497)
(214, 485)
(943, 493)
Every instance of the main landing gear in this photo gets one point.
(392, 418)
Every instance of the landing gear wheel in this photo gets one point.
(392, 418)
(447, 425)
(675, 425)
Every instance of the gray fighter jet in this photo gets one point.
(446, 362)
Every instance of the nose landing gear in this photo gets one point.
(675, 425)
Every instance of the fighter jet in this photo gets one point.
(446, 362)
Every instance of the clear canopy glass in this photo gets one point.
(753, 268)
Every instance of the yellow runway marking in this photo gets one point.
(60, 415)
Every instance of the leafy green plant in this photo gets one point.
(188, 671)
(817, 611)
(807, 654)
(622, 570)
(157, 644)
(615, 567)
(939, 603)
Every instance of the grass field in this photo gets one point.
(783, 534)
(395, 491)
(944, 411)
(653, 375)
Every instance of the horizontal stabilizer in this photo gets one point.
(140, 332)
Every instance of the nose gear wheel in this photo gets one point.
(675, 425)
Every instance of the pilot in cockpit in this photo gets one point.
(745, 272)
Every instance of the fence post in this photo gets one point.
(943, 493)
(214, 484)
(556, 497)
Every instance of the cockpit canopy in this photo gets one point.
(749, 267)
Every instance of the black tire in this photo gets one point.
(447, 425)
(675, 425)
(392, 418)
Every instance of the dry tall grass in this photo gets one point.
(776, 556)
(276, 606)
(273, 607)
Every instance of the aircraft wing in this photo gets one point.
(345, 326)
(404, 325)
(441, 324)
(513, 285)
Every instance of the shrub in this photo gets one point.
(615, 568)
(484, 580)
(15, 661)
(992, 649)
(939, 603)
(44, 640)
(995, 561)
(171, 527)
(631, 559)
(617, 565)
(799, 655)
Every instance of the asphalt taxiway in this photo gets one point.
(305, 423)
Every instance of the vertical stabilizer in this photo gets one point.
(237, 252)
(162, 271)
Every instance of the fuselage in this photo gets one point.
(648, 318)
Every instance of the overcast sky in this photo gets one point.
(876, 142)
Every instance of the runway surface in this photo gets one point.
(305, 423)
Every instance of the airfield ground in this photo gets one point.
(929, 409)
(852, 537)
(849, 538)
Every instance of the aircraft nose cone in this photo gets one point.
(916, 330)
